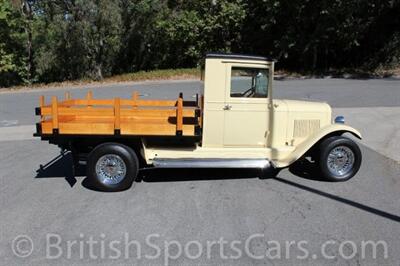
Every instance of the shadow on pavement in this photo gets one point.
(153, 175)
(61, 167)
(195, 174)
(306, 170)
(360, 206)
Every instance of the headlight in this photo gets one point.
(339, 119)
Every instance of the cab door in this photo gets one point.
(246, 113)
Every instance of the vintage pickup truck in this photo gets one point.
(234, 123)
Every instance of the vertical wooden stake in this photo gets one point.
(41, 104)
(179, 116)
(67, 95)
(117, 114)
(201, 110)
(54, 112)
(41, 101)
(135, 97)
(89, 96)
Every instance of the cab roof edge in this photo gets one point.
(238, 56)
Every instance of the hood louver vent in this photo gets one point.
(303, 128)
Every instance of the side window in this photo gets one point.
(249, 82)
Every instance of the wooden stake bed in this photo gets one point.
(119, 116)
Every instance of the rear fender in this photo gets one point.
(301, 149)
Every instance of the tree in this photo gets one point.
(192, 28)
(12, 54)
(46, 41)
(77, 39)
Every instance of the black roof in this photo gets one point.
(238, 56)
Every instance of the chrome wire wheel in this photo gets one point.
(110, 169)
(340, 161)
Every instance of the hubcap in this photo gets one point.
(110, 169)
(340, 160)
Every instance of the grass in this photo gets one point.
(162, 74)
(347, 73)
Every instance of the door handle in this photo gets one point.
(227, 107)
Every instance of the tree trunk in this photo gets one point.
(27, 12)
(315, 57)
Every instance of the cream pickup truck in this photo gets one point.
(234, 122)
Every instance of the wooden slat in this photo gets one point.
(85, 111)
(85, 128)
(161, 120)
(154, 129)
(66, 118)
(157, 112)
(69, 102)
(161, 103)
(110, 119)
(135, 101)
(128, 102)
(82, 111)
(94, 102)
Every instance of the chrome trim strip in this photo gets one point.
(210, 163)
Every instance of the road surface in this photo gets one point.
(206, 217)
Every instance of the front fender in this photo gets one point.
(302, 148)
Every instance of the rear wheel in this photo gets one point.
(339, 158)
(112, 167)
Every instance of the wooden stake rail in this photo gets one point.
(119, 116)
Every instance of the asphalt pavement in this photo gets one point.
(204, 217)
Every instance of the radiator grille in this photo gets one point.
(303, 128)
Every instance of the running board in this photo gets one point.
(211, 163)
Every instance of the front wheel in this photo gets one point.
(112, 167)
(339, 158)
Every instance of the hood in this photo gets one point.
(304, 106)
(316, 113)
(294, 121)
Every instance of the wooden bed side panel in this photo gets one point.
(118, 116)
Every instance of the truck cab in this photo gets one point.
(237, 100)
(237, 124)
